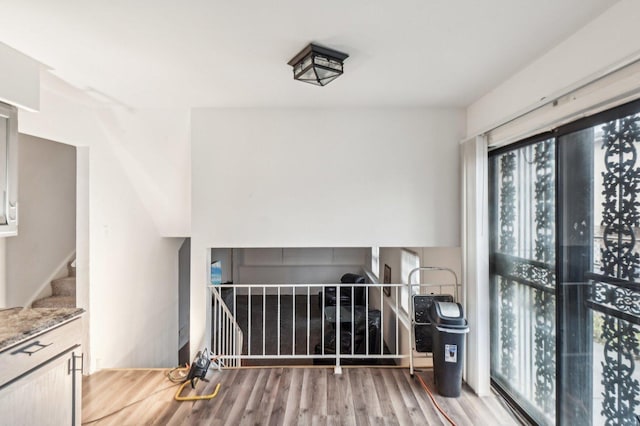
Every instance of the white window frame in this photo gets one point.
(409, 260)
(375, 261)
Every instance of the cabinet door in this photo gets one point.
(42, 397)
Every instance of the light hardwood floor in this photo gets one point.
(283, 396)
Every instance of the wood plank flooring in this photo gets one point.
(282, 396)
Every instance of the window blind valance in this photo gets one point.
(604, 92)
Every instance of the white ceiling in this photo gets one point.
(234, 53)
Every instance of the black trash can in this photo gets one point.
(448, 329)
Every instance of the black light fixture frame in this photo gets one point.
(313, 51)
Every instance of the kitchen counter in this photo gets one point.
(41, 364)
(17, 324)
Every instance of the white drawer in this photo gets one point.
(20, 358)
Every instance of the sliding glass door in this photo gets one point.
(565, 271)
(600, 266)
(523, 280)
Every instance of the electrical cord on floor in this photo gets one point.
(180, 374)
(129, 405)
(180, 378)
(435, 403)
(177, 376)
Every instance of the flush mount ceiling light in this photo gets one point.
(317, 65)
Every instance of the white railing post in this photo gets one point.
(264, 318)
(397, 322)
(309, 318)
(338, 339)
(278, 322)
(227, 334)
(249, 321)
(293, 327)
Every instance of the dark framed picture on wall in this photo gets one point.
(386, 279)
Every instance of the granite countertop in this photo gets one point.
(17, 324)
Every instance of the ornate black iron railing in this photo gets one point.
(615, 297)
(619, 302)
(544, 275)
(507, 245)
(532, 332)
(615, 293)
(522, 265)
(532, 273)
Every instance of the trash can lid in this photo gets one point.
(447, 314)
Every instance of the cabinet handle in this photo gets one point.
(25, 350)
(13, 212)
(71, 363)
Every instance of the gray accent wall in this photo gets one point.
(47, 228)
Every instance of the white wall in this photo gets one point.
(133, 270)
(297, 265)
(320, 178)
(610, 38)
(325, 178)
(20, 86)
(20, 82)
(150, 146)
(83, 231)
(47, 230)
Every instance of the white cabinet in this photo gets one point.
(8, 170)
(42, 379)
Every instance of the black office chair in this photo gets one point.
(346, 292)
(363, 323)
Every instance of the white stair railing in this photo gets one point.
(227, 335)
(262, 322)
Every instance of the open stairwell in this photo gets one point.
(63, 291)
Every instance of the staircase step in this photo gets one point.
(64, 286)
(55, 302)
(71, 268)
